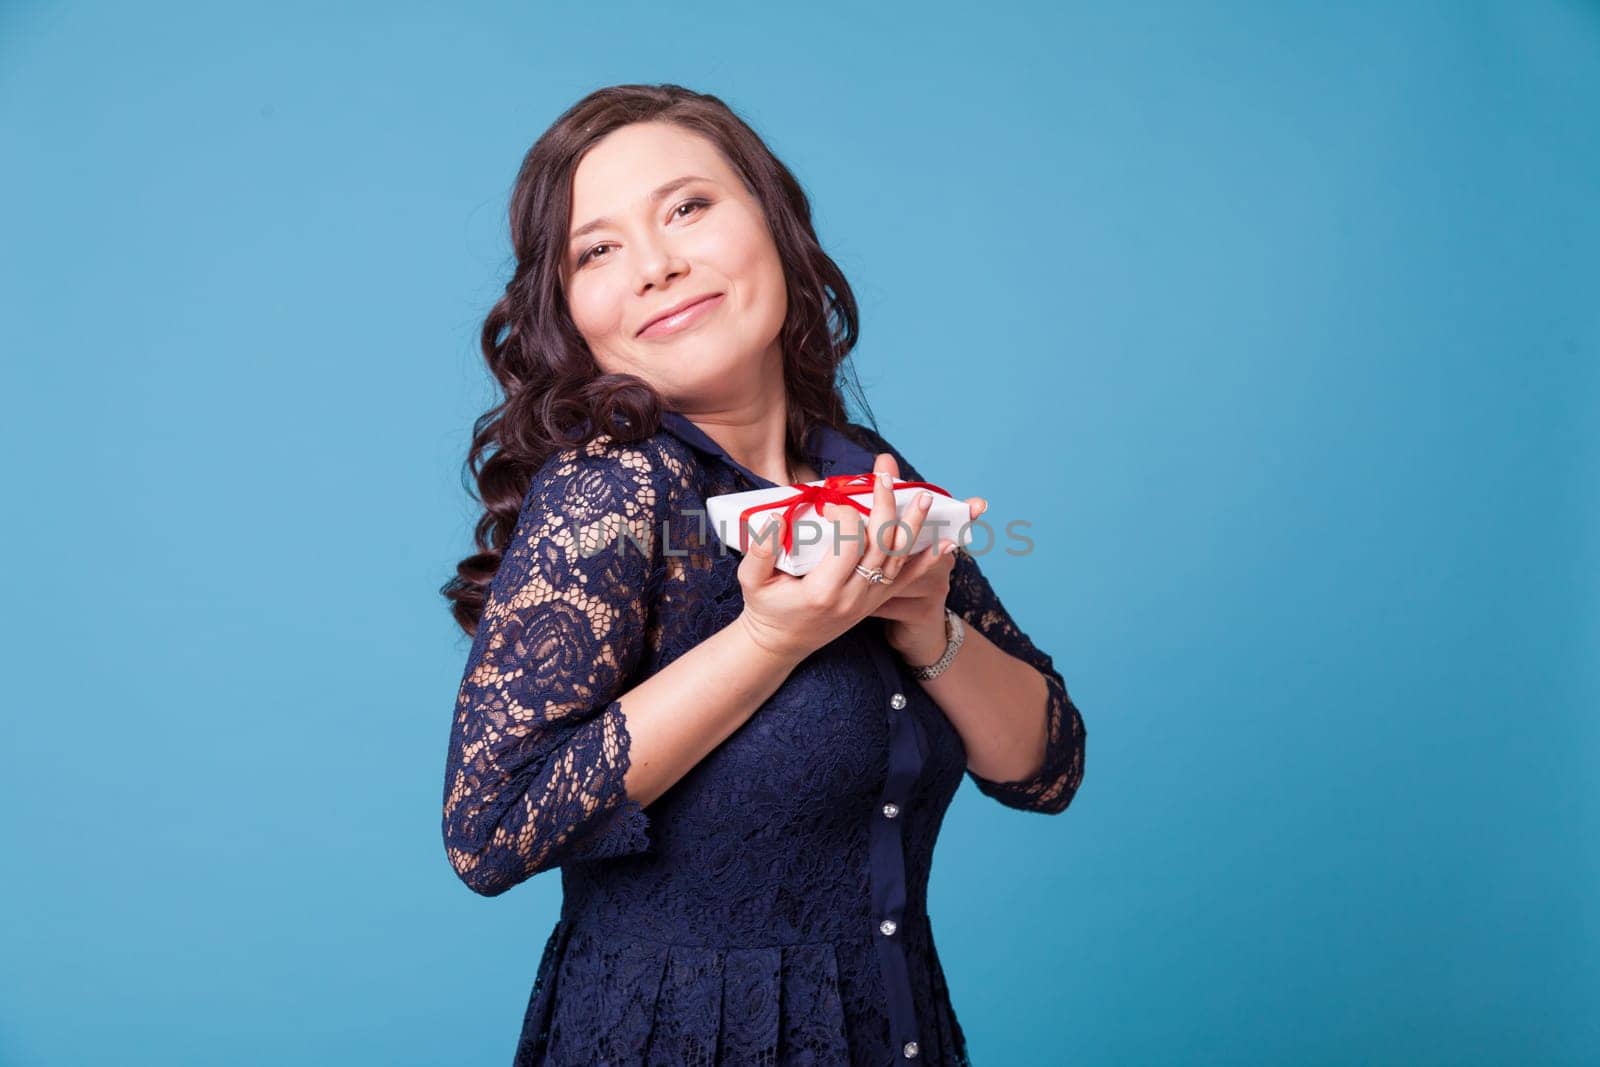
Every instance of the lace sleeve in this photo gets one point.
(974, 599)
(539, 744)
(1052, 789)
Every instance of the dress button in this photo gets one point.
(897, 701)
(887, 926)
(910, 1050)
(891, 810)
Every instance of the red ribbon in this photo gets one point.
(835, 489)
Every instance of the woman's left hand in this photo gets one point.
(915, 612)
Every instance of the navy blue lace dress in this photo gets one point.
(769, 908)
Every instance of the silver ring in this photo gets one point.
(875, 576)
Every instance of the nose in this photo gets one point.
(658, 264)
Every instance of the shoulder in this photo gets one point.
(866, 437)
(639, 479)
(876, 442)
(590, 515)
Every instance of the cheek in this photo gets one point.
(595, 309)
(758, 253)
(774, 294)
(755, 261)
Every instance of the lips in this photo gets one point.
(674, 318)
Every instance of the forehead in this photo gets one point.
(619, 171)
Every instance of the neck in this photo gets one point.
(754, 432)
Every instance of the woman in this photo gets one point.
(739, 772)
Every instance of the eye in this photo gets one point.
(585, 257)
(694, 202)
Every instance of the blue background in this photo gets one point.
(1278, 322)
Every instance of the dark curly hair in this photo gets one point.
(555, 393)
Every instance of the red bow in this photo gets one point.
(835, 489)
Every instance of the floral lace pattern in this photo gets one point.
(974, 599)
(770, 907)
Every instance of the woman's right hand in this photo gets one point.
(792, 617)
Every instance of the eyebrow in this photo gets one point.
(660, 192)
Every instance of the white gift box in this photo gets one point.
(815, 537)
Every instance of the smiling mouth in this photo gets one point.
(682, 319)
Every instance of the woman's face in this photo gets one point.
(705, 237)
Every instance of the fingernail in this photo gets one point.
(983, 507)
(883, 478)
(924, 498)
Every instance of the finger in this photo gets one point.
(943, 561)
(880, 522)
(915, 579)
(843, 535)
(761, 555)
(911, 579)
(925, 570)
(907, 532)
